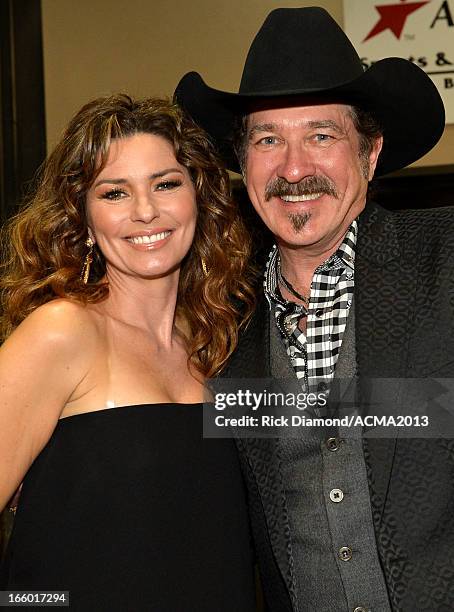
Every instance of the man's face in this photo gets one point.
(304, 174)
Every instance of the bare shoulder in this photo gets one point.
(62, 313)
(61, 323)
(42, 363)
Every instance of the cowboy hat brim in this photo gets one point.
(399, 94)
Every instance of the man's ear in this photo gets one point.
(373, 156)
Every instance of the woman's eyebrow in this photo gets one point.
(122, 181)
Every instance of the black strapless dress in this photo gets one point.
(131, 509)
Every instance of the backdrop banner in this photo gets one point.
(422, 32)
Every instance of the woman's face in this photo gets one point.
(142, 208)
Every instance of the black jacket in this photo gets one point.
(404, 328)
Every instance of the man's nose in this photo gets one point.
(297, 163)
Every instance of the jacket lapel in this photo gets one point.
(383, 291)
(252, 360)
(344, 384)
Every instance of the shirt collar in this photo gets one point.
(346, 250)
(344, 256)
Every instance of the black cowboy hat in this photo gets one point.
(303, 52)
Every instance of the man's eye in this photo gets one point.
(167, 185)
(268, 140)
(113, 194)
(322, 137)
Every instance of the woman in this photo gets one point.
(117, 304)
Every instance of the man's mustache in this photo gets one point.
(279, 187)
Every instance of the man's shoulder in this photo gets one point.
(433, 224)
(430, 229)
(250, 358)
(441, 218)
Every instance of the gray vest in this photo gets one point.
(336, 562)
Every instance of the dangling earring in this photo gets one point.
(204, 266)
(88, 260)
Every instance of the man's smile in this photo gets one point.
(301, 198)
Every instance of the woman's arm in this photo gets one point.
(41, 364)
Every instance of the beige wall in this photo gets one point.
(143, 47)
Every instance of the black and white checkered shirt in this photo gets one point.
(314, 354)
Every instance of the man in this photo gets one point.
(342, 522)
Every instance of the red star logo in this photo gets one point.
(393, 17)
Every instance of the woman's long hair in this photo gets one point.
(44, 248)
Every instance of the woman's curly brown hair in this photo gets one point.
(44, 244)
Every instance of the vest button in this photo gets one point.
(345, 553)
(332, 444)
(336, 495)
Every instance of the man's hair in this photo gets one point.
(369, 130)
(44, 244)
(240, 140)
(365, 123)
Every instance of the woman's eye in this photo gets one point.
(113, 194)
(167, 185)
